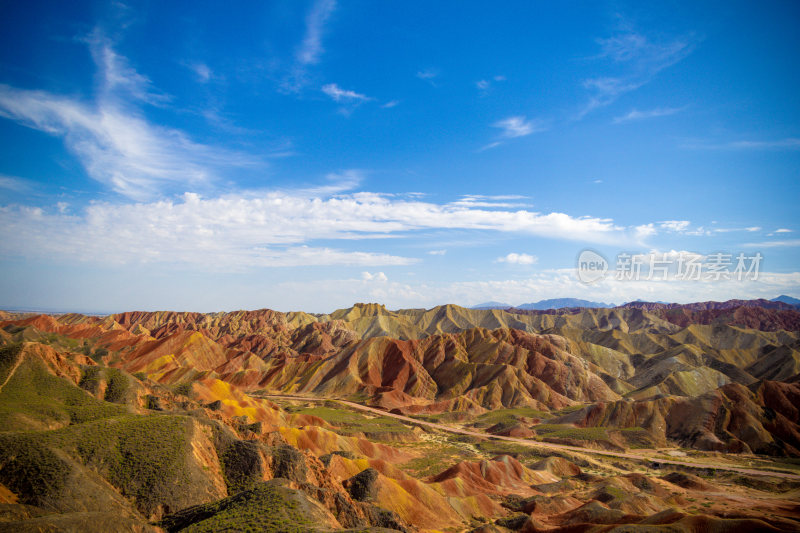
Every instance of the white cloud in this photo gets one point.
(428, 74)
(377, 276)
(117, 146)
(342, 95)
(275, 228)
(118, 78)
(783, 230)
(485, 85)
(730, 230)
(437, 252)
(652, 113)
(311, 48)
(309, 51)
(791, 144)
(518, 126)
(337, 182)
(773, 244)
(111, 137)
(390, 104)
(518, 259)
(202, 71)
(645, 230)
(478, 200)
(13, 183)
(640, 60)
(678, 226)
(684, 227)
(489, 146)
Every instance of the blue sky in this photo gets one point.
(309, 155)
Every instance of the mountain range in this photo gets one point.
(542, 305)
(203, 421)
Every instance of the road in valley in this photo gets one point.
(528, 442)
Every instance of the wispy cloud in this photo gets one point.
(518, 126)
(518, 259)
(311, 48)
(684, 227)
(337, 182)
(495, 201)
(202, 72)
(343, 95)
(773, 244)
(493, 144)
(14, 183)
(111, 137)
(429, 75)
(390, 104)
(485, 85)
(637, 59)
(644, 231)
(119, 79)
(513, 127)
(437, 252)
(635, 114)
(790, 143)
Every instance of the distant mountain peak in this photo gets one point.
(492, 305)
(561, 303)
(787, 300)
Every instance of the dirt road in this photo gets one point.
(528, 442)
(13, 369)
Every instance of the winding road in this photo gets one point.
(528, 442)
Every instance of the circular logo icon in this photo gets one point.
(591, 267)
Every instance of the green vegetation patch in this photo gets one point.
(31, 469)
(34, 396)
(494, 448)
(508, 416)
(569, 409)
(267, 507)
(637, 437)
(184, 389)
(8, 358)
(117, 385)
(350, 422)
(142, 456)
(444, 418)
(436, 459)
(90, 379)
(565, 431)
